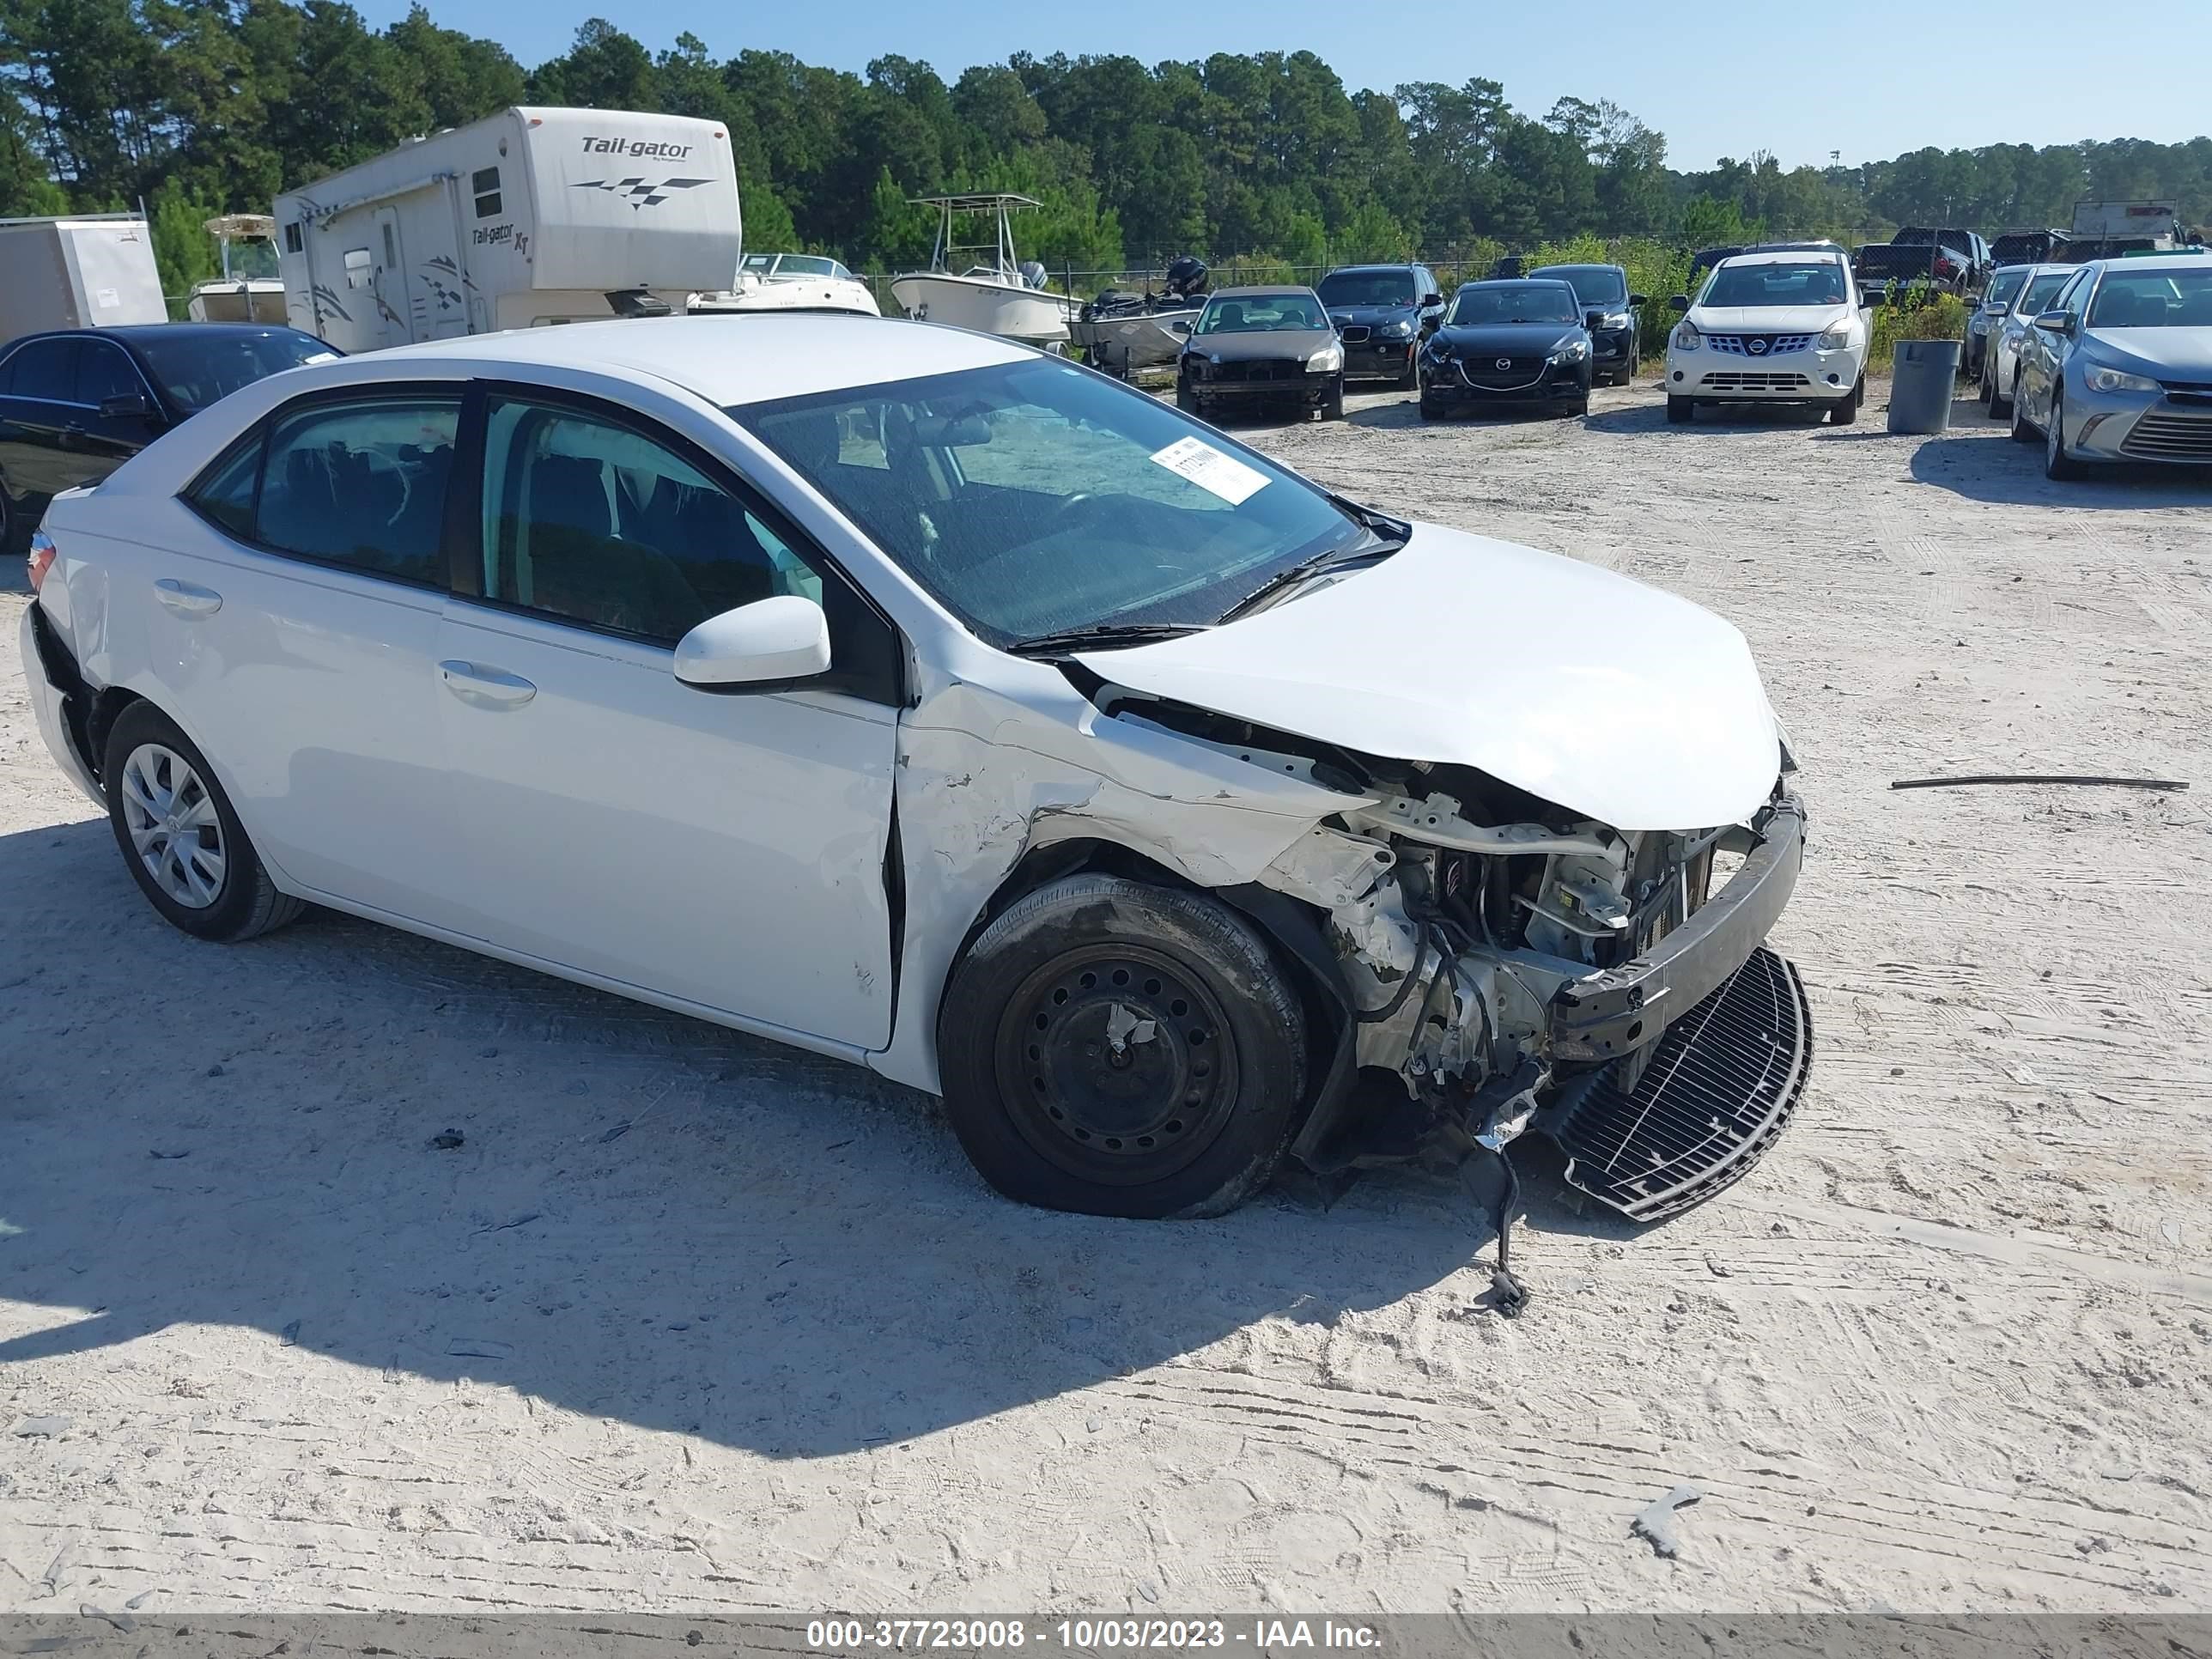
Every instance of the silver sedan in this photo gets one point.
(2120, 367)
(2008, 320)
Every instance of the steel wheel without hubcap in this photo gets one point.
(173, 826)
(1116, 1065)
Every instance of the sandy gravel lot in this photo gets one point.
(691, 1322)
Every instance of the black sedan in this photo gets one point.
(1381, 314)
(76, 404)
(1521, 342)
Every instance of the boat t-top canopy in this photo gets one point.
(998, 204)
(252, 225)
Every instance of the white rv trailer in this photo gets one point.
(527, 217)
(84, 271)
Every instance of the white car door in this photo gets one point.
(291, 620)
(724, 851)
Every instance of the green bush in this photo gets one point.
(1921, 317)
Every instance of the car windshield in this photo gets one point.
(1256, 312)
(1595, 286)
(1035, 497)
(1513, 302)
(2041, 291)
(2003, 286)
(1367, 287)
(194, 369)
(2153, 298)
(1777, 283)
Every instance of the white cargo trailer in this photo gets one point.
(87, 271)
(2155, 222)
(527, 217)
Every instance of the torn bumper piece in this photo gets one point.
(1700, 1111)
(1623, 1009)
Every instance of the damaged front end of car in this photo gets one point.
(1517, 968)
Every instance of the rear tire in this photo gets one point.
(179, 837)
(1112, 1048)
(1681, 410)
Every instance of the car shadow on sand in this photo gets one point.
(1976, 461)
(412, 1158)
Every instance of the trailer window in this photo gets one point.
(293, 240)
(356, 267)
(485, 186)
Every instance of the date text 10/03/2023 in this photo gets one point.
(1253, 1635)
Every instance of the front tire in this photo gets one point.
(1411, 377)
(1681, 410)
(1993, 401)
(2057, 464)
(179, 837)
(1112, 1048)
(2023, 430)
(1186, 400)
(1846, 410)
(1332, 405)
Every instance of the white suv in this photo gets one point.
(1771, 328)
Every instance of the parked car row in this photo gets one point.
(1544, 337)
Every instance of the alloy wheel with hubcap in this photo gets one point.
(173, 826)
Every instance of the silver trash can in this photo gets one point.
(1923, 379)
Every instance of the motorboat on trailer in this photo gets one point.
(791, 281)
(1121, 333)
(994, 295)
(249, 290)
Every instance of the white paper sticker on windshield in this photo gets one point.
(1209, 470)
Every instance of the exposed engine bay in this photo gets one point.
(1508, 962)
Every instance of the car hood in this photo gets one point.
(1766, 320)
(1374, 316)
(1245, 345)
(1506, 339)
(2176, 353)
(1612, 699)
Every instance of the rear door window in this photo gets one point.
(362, 484)
(44, 369)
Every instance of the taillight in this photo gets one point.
(41, 559)
(1946, 267)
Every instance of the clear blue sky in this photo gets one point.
(1718, 77)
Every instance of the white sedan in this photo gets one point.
(914, 698)
(1787, 327)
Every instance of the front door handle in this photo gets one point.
(484, 686)
(187, 598)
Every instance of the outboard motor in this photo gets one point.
(1186, 277)
(1033, 274)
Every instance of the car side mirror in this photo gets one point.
(2056, 322)
(1998, 308)
(1432, 299)
(1179, 327)
(125, 404)
(1639, 300)
(762, 646)
(1680, 302)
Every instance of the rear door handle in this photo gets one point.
(187, 598)
(485, 687)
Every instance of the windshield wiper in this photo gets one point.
(1371, 549)
(1101, 636)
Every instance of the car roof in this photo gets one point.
(1796, 256)
(1260, 291)
(2188, 260)
(736, 358)
(1532, 278)
(125, 333)
(1576, 265)
(1338, 270)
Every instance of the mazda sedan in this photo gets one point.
(914, 698)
